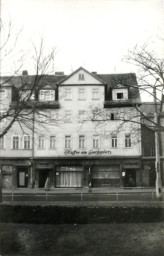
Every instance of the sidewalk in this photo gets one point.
(102, 190)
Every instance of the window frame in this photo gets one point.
(120, 93)
(114, 141)
(81, 117)
(81, 96)
(128, 142)
(82, 141)
(50, 97)
(96, 142)
(13, 147)
(97, 94)
(68, 96)
(81, 77)
(52, 142)
(68, 116)
(42, 142)
(66, 142)
(29, 141)
(2, 142)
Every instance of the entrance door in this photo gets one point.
(22, 178)
(130, 178)
(43, 175)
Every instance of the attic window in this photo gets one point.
(81, 76)
(120, 95)
(112, 116)
(47, 95)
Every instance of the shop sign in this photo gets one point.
(89, 152)
(7, 169)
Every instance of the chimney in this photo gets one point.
(59, 73)
(94, 73)
(24, 73)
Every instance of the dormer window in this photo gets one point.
(47, 95)
(120, 96)
(81, 76)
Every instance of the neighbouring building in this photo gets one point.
(79, 129)
(148, 142)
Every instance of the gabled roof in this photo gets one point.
(77, 70)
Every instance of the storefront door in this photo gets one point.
(22, 177)
(43, 175)
(130, 178)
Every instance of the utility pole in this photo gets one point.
(158, 183)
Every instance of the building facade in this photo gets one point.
(80, 130)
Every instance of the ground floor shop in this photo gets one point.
(77, 173)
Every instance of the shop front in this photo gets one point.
(22, 177)
(69, 176)
(7, 172)
(106, 176)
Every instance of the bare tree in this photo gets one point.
(24, 88)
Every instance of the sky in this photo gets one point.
(95, 34)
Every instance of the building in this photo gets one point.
(148, 143)
(79, 130)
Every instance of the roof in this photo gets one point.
(110, 80)
(149, 107)
(128, 80)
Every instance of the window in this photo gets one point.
(81, 141)
(2, 143)
(2, 115)
(81, 115)
(27, 142)
(95, 141)
(68, 94)
(52, 142)
(68, 116)
(25, 95)
(95, 93)
(81, 76)
(114, 141)
(153, 152)
(82, 95)
(112, 116)
(47, 95)
(120, 95)
(67, 141)
(41, 144)
(2, 94)
(15, 142)
(127, 140)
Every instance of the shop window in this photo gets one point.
(81, 141)
(96, 141)
(82, 94)
(47, 95)
(95, 93)
(114, 141)
(67, 141)
(127, 140)
(52, 142)
(27, 142)
(41, 142)
(15, 142)
(68, 116)
(2, 143)
(81, 76)
(68, 93)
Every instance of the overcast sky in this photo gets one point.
(95, 34)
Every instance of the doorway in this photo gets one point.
(43, 175)
(130, 178)
(22, 177)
